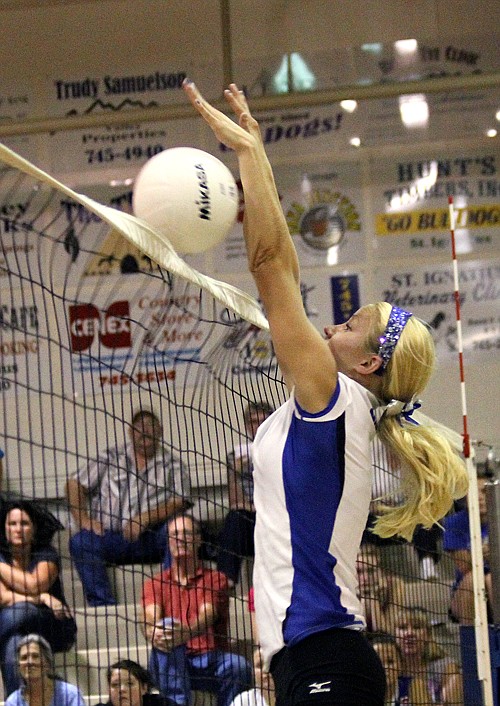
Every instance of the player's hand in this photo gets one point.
(241, 136)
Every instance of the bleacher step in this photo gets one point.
(126, 582)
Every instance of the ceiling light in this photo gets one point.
(355, 141)
(414, 110)
(121, 182)
(406, 46)
(349, 106)
(491, 133)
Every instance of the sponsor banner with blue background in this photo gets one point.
(345, 297)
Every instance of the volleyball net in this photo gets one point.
(99, 319)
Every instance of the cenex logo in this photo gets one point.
(111, 326)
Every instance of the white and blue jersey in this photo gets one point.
(313, 478)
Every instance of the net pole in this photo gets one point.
(480, 598)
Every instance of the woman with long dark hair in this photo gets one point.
(31, 594)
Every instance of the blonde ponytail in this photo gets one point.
(432, 473)
(432, 477)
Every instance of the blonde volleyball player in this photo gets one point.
(312, 467)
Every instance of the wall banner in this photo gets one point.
(18, 103)
(428, 292)
(116, 147)
(28, 339)
(324, 212)
(87, 248)
(143, 333)
(22, 222)
(410, 198)
(345, 297)
(301, 132)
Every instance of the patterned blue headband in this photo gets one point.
(398, 319)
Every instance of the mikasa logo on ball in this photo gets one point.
(204, 191)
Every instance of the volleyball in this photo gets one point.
(187, 195)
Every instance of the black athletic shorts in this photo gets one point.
(337, 667)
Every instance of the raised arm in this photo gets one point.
(303, 355)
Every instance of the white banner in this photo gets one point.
(87, 247)
(300, 132)
(17, 103)
(22, 221)
(142, 333)
(28, 343)
(121, 147)
(428, 291)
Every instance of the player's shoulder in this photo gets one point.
(354, 392)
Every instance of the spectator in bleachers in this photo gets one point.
(458, 544)
(186, 616)
(31, 594)
(397, 686)
(236, 537)
(435, 678)
(130, 684)
(120, 503)
(40, 686)
(381, 593)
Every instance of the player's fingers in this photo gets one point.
(190, 88)
(195, 96)
(236, 99)
(238, 102)
(210, 114)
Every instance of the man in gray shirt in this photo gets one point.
(120, 503)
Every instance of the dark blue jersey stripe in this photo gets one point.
(313, 478)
